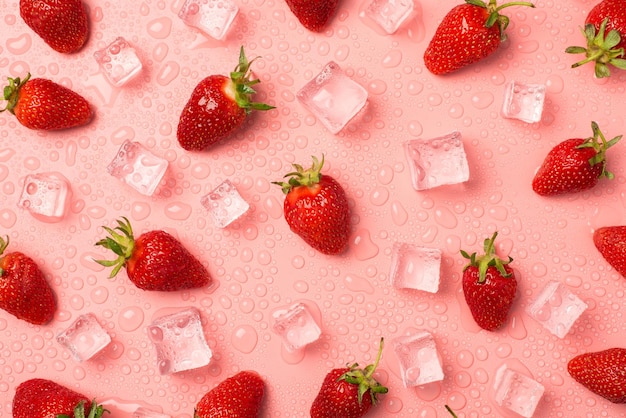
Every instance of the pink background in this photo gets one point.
(259, 266)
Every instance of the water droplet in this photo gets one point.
(130, 318)
(392, 59)
(244, 339)
(358, 284)
(362, 245)
(482, 100)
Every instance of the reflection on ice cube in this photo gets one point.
(556, 308)
(437, 161)
(213, 17)
(179, 341)
(118, 61)
(142, 412)
(333, 97)
(389, 14)
(46, 196)
(225, 204)
(419, 359)
(296, 326)
(523, 101)
(517, 392)
(415, 267)
(136, 166)
(84, 338)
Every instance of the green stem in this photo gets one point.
(378, 357)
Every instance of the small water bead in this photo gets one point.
(244, 339)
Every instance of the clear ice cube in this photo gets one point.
(179, 341)
(46, 196)
(419, 359)
(415, 267)
(333, 97)
(517, 392)
(84, 338)
(296, 326)
(213, 17)
(556, 308)
(523, 101)
(225, 204)
(389, 14)
(136, 166)
(142, 412)
(118, 61)
(437, 162)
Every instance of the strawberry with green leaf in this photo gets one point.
(218, 107)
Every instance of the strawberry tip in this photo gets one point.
(11, 92)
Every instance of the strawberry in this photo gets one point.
(154, 261)
(602, 372)
(489, 286)
(61, 24)
(348, 392)
(605, 33)
(42, 104)
(24, 292)
(469, 33)
(313, 14)
(218, 106)
(574, 165)
(42, 398)
(240, 395)
(611, 242)
(316, 208)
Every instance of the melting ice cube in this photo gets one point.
(84, 338)
(437, 161)
(419, 359)
(333, 97)
(118, 61)
(517, 392)
(415, 267)
(179, 341)
(296, 326)
(389, 14)
(523, 101)
(46, 196)
(556, 308)
(213, 17)
(225, 204)
(136, 166)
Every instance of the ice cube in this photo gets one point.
(389, 14)
(213, 17)
(333, 97)
(179, 341)
(517, 392)
(46, 196)
(419, 359)
(136, 166)
(296, 326)
(142, 412)
(415, 267)
(84, 338)
(556, 308)
(225, 204)
(118, 61)
(437, 162)
(523, 101)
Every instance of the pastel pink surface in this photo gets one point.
(260, 266)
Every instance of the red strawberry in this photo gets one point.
(349, 392)
(469, 33)
(240, 395)
(39, 103)
(61, 24)
(489, 286)
(42, 398)
(611, 242)
(574, 165)
(316, 208)
(602, 372)
(605, 32)
(154, 261)
(313, 14)
(24, 292)
(218, 106)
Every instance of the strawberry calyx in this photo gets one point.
(494, 12)
(600, 148)
(243, 85)
(364, 378)
(96, 411)
(122, 243)
(302, 177)
(600, 49)
(11, 92)
(486, 260)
